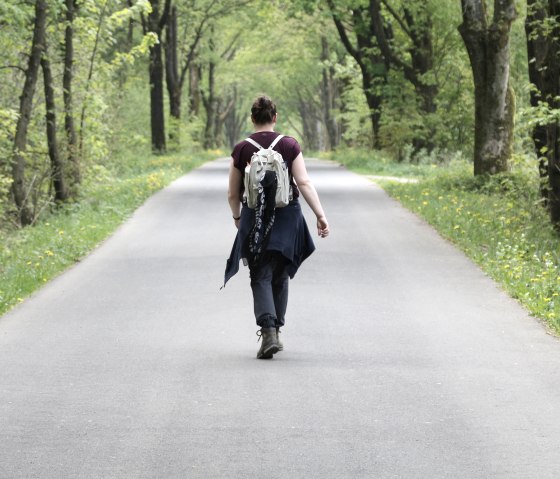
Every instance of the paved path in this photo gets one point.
(402, 360)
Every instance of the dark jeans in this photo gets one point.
(269, 282)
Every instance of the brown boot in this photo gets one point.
(269, 344)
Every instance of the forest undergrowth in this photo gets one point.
(499, 222)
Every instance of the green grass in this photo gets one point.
(498, 221)
(33, 255)
(376, 163)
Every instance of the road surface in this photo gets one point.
(402, 360)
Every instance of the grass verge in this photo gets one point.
(497, 221)
(33, 255)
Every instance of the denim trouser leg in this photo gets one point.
(269, 282)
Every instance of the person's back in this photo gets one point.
(272, 241)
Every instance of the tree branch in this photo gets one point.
(144, 24)
(397, 17)
(192, 51)
(230, 49)
(343, 35)
(164, 16)
(383, 42)
(15, 67)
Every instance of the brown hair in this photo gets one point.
(263, 110)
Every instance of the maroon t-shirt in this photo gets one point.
(288, 147)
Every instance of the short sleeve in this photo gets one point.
(236, 155)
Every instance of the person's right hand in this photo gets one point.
(322, 227)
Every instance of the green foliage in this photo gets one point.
(379, 163)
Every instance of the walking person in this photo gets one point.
(273, 242)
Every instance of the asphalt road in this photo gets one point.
(402, 360)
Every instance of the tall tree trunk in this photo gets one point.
(69, 127)
(329, 93)
(374, 101)
(194, 89)
(26, 105)
(174, 85)
(233, 121)
(209, 101)
(130, 30)
(156, 23)
(222, 114)
(488, 47)
(157, 114)
(173, 79)
(57, 173)
(218, 127)
(538, 51)
(309, 124)
(543, 45)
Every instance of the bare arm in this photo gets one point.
(309, 193)
(235, 179)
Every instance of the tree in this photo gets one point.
(181, 55)
(488, 46)
(67, 84)
(415, 22)
(96, 43)
(364, 50)
(155, 24)
(19, 188)
(214, 105)
(57, 172)
(176, 68)
(543, 45)
(330, 96)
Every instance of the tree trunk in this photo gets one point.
(156, 23)
(26, 105)
(374, 102)
(219, 124)
(329, 93)
(69, 127)
(543, 46)
(422, 62)
(209, 102)
(157, 114)
(174, 85)
(538, 48)
(488, 49)
(173, 80)
(233, 121)
(57, 173)
(130, 30)
(308, 115)
(194, 90)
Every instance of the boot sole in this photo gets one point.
(268, 353)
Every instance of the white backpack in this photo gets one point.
(263, 160)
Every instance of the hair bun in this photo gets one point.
(263, 110)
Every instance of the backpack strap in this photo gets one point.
(254, 143)
(275, 142)
(272, 145)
